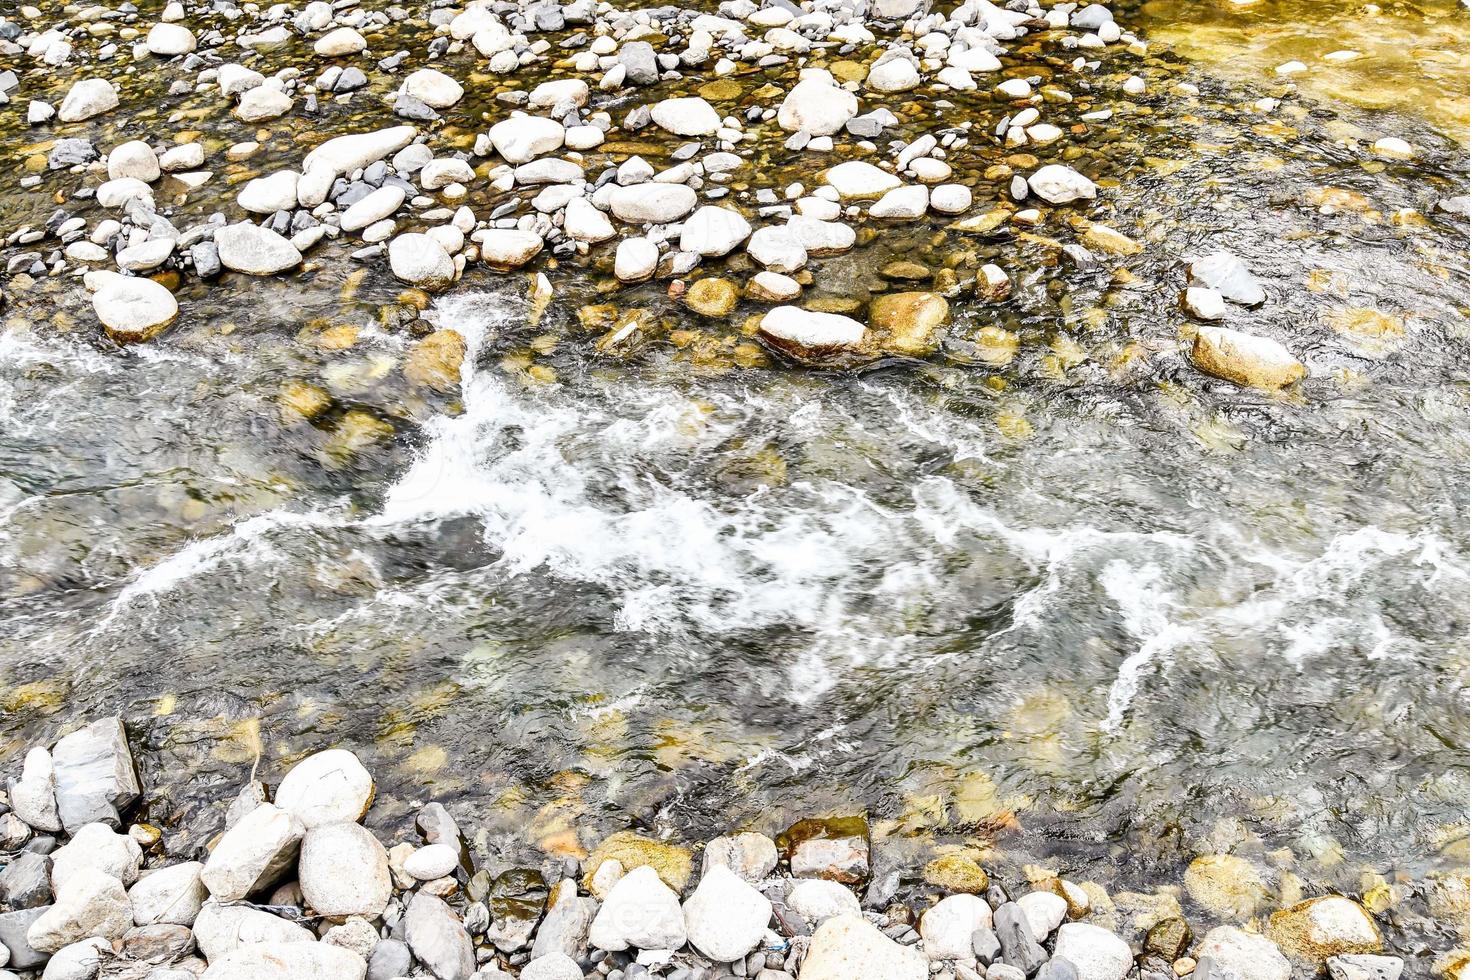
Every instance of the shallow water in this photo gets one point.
(1087, 606)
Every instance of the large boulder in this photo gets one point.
(438, 938)
(288, 961)
(816, 105)
(99, 847)
(132, 309)
(641, 912)
(91, 903)
(95, 776)
(1094, 951)
(344, 871)
(725, 918)
(1246, 359)
(850, 946)
(1245, 953)
(811, 337)
(254, 853)
(87, 98)
(949, 927)
(255, 250)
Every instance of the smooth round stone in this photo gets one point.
(421, 261)
(168, 40)
(327, 787)
(433, 861)
(133, 309)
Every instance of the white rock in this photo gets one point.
(288, 961)
(949, 927)
(585, 223)
(816, 899)
(860, 180)
(1244, 358)
(236, 79)
(134, 159)
(777, 249)
(344, 154)
(371, 209)
(950, 198)
(262, 103)
(562, 91)
(342, 41)
(773, 286)
(92, 903)
(97, 846)
(848, 947)
(1094, 951)
(909, 201)
(637, 260)
(421, 261)
(437, 174)
(521, 139)
(327, 787)
(344, 871)
(173, 895)
(509, 248)
(1057, 184)
(820, 237)
(1015, 88)
(87, 98)
(640, 912)
(1203, 303)
(713, 231)
(432, 861)
(691, 116)
(79, 961)
(33, 796)
(267, 195)
(725, 918)
(117, 193)
(221, 929)
(433, 88)
(1393, 147)
(817, 105)
(893, 75)
(145, 256)
(1044, 912)
(263, 844)
(186, 156)
(552, 966)
(652, 203)
(438, 938)
(167, 40)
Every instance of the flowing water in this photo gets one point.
(1073, 602)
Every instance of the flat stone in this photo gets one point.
(1330, 925)
(95, 776)
(257, 850)
(287, 961)
(860, 180)
(505, 249)
(170, 895)
(652, 203)
(221, 929)
(713, 231)
(849, 946)
(344, 154)
(1229, 277)
(1247, 360)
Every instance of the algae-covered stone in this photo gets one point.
(712, 297)
(1323, 927)
(1226, 885)
(672, 863)
(957, 873)
(435, 361)
(910, 322)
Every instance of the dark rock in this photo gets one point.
(986, 946)
(640, 62)
(1057, 968)
(26, 881)
(205, 257)
(13, 928)
(71, 152)
(1018, 947)
(1168, 939)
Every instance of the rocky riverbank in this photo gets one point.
(728, 154)
(293, 887)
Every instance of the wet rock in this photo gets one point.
(1225, 884)
(254, 250)
(254, 853)
(712, 297)
(821, 237)
(725, 918)
(33, 795)
(96, 846)
(950, 198)
(640, 912)
(344, 871)
(1094, 951)
(70, 153)
(949, 927)
(505, 249)
(88, 98)
(849, 946)
(1243, 953)
(1247, 360)
(1228, 276)
(1359, 966)
(171, 895)
(813, 338)
(1058, 184)
(835, 848)
(1168, 938)
(90, 903)
(817, 106)
(25, 883)
(713, 231)
(1018, 945)
(95, 776)
(652, 203)
(911, 324)
(288, 961)
(1203, 303)
(438, 938)
(690, 116)
(421, 261)
(956, 872)
(1321, 927)
(220, 929)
